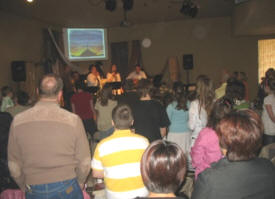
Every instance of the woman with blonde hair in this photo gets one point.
(201, 107)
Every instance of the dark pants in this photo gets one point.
(90, 126)
(68, 189)
(268, 139)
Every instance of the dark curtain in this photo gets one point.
(136, 56)
(50, 54)
(119, 51)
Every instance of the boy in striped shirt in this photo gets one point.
(117, 158)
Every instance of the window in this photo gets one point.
(266, 53)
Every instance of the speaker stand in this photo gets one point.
(187, 77)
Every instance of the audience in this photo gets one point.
(268, 115)
(177, 112)
(45, 147)
(117, 158)
(7, 96)
(200, 108)
(150, 117)
(206, 149)
(48, 151)
(220, 92)
(130, 96)
(6, 181)
(83, 105)
(240, 174)
(104, 107)
(22, 103)
(163, 168)
(235, 92)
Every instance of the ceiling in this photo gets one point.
(92, 13)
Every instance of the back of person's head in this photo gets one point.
(105, 94)
(6, 90)
(80, 85)
(22, 98)
(122, 117)
(163, 167)
(235, 89)
(220, 109)
(182, 101)
(167, 98)
(145, 87)
(50, 86)
(240, 133)
(270, 73)
(205, 92)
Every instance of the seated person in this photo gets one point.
(137, 74)
(22, 103)
(241, 174)
(93, 78)
(117, 158)
(114, 76)
(163, 168)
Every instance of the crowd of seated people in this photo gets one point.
(147, 140)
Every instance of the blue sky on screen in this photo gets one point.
(86, 37)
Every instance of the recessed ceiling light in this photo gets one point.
(29, 1)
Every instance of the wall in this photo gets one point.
(20, 39)
(209, 40)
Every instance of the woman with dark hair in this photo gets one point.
(235, 92)
(163, 167)
(240, 174)
(104, 107)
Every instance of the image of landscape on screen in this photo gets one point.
(86, 43)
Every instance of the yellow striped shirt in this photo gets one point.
(119, 157)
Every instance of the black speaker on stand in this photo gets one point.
(188, 65)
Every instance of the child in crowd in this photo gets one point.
(268, 115)
(82, 105)
(177, 112)
(7, 101)
(201, 106)
(206, 149)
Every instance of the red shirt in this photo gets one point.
(82, 102)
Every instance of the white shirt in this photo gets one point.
(197, 118)
(269, 125)
(93, 80)
(112, 78)
(135, 75)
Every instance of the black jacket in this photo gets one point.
(253, 179)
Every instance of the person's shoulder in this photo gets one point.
(42, 113)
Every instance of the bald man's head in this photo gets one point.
(50, 86)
